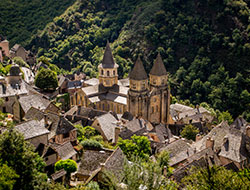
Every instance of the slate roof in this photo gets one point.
(65, 151)
(92, 82)
(124, 82)
(163, 132)
(74, 84)
(240, 124)
(35, 101)
(179, 150)
(32, 128)
(234, 146)
(107, 124)
(158, 68)
(58, 174)
(138, 72)
(127, 115)
(7, 90)
(115, 162)
(61, 80)
(91, 160)
(15, 48)
(108, 60)
(34, 113)
(89, 112)
(58, 125)
(180, 108)
(29, 76)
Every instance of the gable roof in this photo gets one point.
(34, 113)
(58, 174)
(65, 151)
(36, 101)
(158, 68)
(107, 124)
(108, 60)
(32, 128)
(138, 72)
(179, 150)
(91, 160)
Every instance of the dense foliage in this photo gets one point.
(7, 177)
(21, 19)
(216, 178)
(205, 45)
(46, 79)
(136, 146)
(189, 132)
(139, 174)
(25, 165)
(68, 165)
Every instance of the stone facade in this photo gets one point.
(148, 98)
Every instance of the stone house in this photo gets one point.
(18, 51)
(108, 127)
(4, 47)
(12, 87)
(34, 131)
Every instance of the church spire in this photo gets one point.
(138, 72)
(108, 60)
(158, 67)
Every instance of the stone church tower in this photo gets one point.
(108, 75)
(151, 101)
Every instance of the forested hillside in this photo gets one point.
(205, 44)
(20, 19)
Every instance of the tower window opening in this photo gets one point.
(101, 72)
(114, 73)
(152, 109)
(108, 73)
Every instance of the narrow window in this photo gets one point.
(157, 108)
(108, 73)
(152, 109)
(102, 72)
(103, 106)
(114, 73)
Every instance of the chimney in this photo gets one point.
(117, 132)
(46, 120)
(248, 131)
(210, 143)
(198, 137)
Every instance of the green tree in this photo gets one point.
(140, 175)
(214, 178)
(68, 165)
(189, 132)
(225, 116)
(20, 156)
(20, 62)
(7, 177)
(137, 146)
(46, 79)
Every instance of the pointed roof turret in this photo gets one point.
(108, 60)
(138, 72)
(158, 67)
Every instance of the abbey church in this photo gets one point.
(146, 97)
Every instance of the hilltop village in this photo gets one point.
(115, 109)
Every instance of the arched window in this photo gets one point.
(114, 72)
(108, 73)
(101, 72)
(152, 109)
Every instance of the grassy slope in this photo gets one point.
(19, 20)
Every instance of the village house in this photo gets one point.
(11, 87)
(4, 47)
